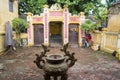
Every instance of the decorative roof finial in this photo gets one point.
(46, 6)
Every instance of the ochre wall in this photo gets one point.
(114, 23)
(5, 16)
(97, 38)
(111, 41)
(108, 41)
(1, 42)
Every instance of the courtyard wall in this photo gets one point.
(108, 41)
(8, 11)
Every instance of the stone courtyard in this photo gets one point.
(91, 65)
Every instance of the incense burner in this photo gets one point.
(55, 66)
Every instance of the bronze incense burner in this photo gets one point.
(55, 66)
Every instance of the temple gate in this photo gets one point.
(55, 25)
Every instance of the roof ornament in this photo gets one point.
(55, 7)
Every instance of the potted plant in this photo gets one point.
(19, 25)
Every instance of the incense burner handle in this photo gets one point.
(39, 60)
(70, 59)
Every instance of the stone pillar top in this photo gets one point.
(46, 6)
(65, 6)
(82, 13)
(29, 14)
(104, 29)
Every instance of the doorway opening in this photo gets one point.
(55, 34)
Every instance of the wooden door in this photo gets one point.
(73, 33)
(38, 34)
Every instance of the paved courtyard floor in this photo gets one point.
(91, 65)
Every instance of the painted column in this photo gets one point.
(46, 26)
(65, 26)
(30, 30)
(81, 32)
(103, 39)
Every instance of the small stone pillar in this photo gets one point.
(81, 32)
(103, 36)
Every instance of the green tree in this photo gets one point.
(100, 12)
(75, 6)
(33, 6)
(19, 25)
(89, 25)
(100, 15)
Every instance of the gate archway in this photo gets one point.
(56, 16)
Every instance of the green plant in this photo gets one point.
(89, 25)
(19, 25)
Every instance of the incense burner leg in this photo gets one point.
(47, 77)
(64, 77)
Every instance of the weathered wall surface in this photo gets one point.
(6, 15)
(114, 18)
(1, 42)
(114, 23)
(108, 41)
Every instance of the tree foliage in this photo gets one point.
(33, 6)
(89, 25)
(75, 6)
(99, 10)
(19, 25)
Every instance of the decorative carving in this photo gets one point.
(55, 7)
(40, 57)
(71, 57)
